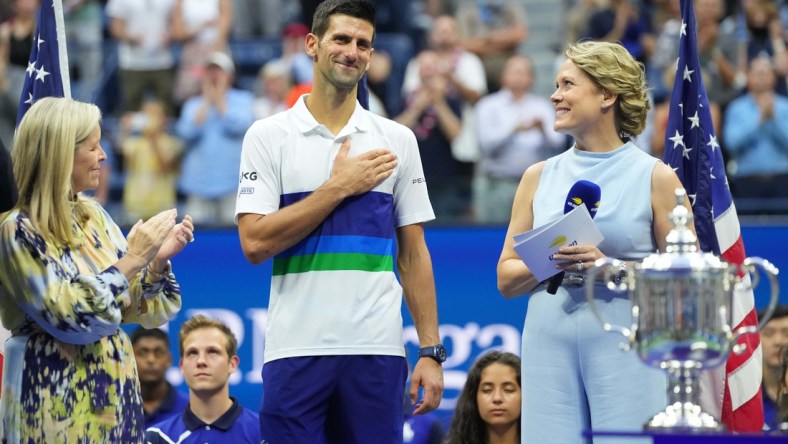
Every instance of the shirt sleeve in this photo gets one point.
(259, 189)
(147, 303)
(49, 288)
(411, 201)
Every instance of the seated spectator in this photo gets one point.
(774, 344)
(208, 357)
(488, 410)
(151, 159)
(160, 400)
(756, 136)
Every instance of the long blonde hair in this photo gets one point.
(43, 155)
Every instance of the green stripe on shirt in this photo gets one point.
(332, 261)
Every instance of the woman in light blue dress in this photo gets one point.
(574, 375)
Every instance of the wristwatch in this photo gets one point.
(436, 352)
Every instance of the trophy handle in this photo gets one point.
(607, 265)
(748, 267)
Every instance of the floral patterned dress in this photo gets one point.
(69, 374)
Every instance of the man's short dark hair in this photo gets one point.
(155, 333)
(361, 9)
(780, 311)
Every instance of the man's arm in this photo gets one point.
(264, 236)
(8, 191)
(415, 271)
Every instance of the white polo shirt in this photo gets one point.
(335, 292)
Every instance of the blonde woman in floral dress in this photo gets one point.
(68, 279)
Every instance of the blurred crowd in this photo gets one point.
(180, 81)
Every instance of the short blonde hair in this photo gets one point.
(199, 322)
(614, 69)
(43, 155)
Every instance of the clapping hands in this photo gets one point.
(160, 238)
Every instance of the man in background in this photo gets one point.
(212, 127)
(160, 400)
(774, 341)
(515, 131)
(208, 351)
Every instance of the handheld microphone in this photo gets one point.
(582, 192)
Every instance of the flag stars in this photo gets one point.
(39, 41)
(695, 120)
(713, 143)
(688, 73)
(683, 28)
(41, 74)
(686, 152)
(677, 140)
(693, 199)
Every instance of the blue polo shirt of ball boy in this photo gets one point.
(237, 425)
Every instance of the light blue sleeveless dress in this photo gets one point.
(574, 375)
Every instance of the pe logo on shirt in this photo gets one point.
(247, 190)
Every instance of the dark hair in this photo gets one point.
(780, 311)
(361, 9)
(467, 426)
(154, 333)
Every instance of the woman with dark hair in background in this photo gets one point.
(488, 410)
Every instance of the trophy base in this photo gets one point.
(685, 416)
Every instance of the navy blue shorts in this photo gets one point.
(333, 399)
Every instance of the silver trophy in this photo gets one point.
(681, 315)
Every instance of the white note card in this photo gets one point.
(536, 247)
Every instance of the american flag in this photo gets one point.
(47, 75)
(47, 69)
(732, 393)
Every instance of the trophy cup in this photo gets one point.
(681, 315)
